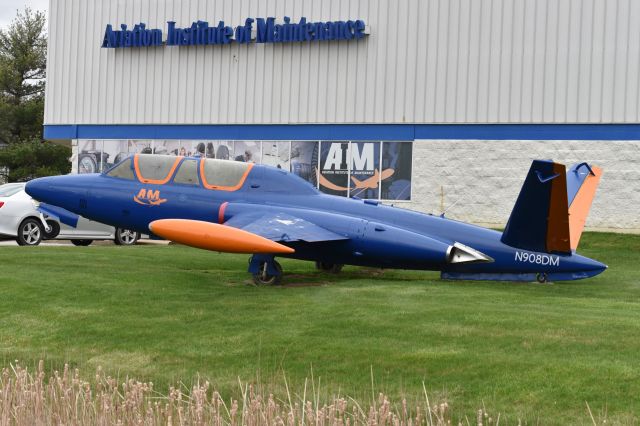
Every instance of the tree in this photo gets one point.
(23, 58)
(32, 159)
(23, 62)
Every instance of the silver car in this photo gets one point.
(20, 220)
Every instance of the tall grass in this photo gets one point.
(65, 399)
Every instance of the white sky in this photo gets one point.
(8, 9)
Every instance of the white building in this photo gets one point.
(449, 100)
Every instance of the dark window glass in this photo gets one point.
(365, 174)
(334, 167)
(396, 167)
(304, 160)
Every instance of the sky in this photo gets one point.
(8, 9)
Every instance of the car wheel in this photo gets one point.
(126, 237)
(30, 233)
(81, 243)
(55, 230)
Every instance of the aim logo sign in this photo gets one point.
(362, 163)
(149, 197)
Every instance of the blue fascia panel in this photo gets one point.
(529, 131)
(400, 132)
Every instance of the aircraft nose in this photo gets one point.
(41, 189)
(61, 191)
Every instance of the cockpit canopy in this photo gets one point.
(217, 174)
(156, 169)
(160, 169)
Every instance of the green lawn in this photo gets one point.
(165, 313)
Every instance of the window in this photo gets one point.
(366, 174)
(188, 173)
(396, 171)
(379, 170)
(277, 154)
(123, 170)
(91, 157)
(155, 169)
(10, 189)
(219, 174)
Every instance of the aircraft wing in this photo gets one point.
(283, 227)
(243, 233)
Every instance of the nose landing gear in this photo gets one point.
(265, 270)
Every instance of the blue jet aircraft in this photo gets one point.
(238, 207)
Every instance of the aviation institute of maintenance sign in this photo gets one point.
(266, 31)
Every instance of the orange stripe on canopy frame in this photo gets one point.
(223, 188)
(215, 237)
(581, 204)
(156, 181)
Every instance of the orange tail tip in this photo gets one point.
(579, 208)
(215, 237)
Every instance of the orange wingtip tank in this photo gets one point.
(215, 237)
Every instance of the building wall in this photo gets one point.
(425, 61)
(479, 181)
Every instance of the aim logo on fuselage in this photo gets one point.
(149, 197)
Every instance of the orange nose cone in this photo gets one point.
(215, 237)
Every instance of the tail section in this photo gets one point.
(551, 210)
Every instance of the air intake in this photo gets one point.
(459, 253)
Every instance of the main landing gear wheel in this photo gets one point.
(332, 268)
(264, 278)
(542, 278)
(30, 233)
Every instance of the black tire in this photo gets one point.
(542, 278)
(81, 243)
(30, 232)
(332, 268)
(55, 230)
(126, 237)
(262, 278)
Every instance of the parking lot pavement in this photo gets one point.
(47, 243)
(65, 243)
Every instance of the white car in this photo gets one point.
(20, 220)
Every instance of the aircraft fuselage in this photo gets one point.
(375, 235)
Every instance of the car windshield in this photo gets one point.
(11, 188)
(223, 174)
